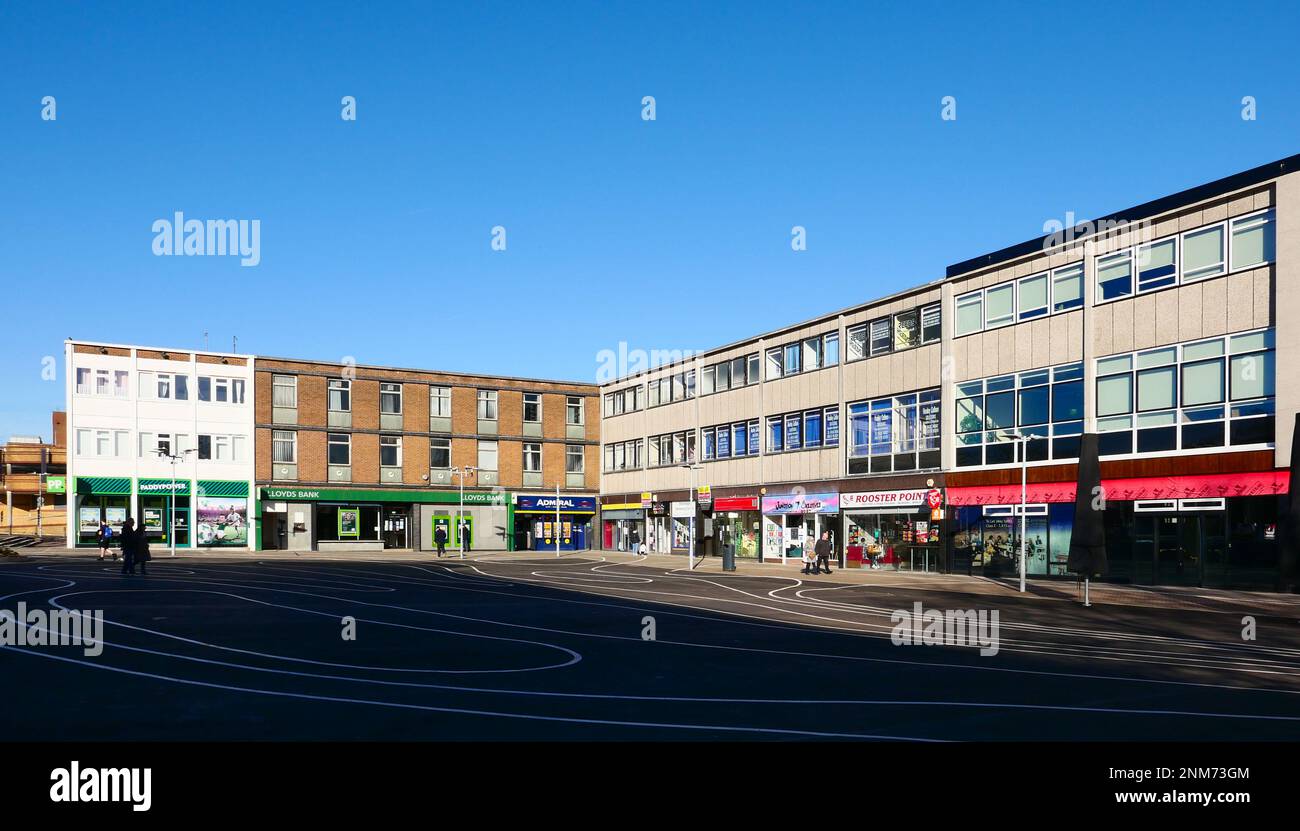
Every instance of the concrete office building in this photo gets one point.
(163, 436)
(365, 457)
(1160, 327)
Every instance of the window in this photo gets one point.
(671, 449)
(690, 383)
(103, 381)
(284, 391)
(573, 410)
(791, 359)
(1203, 253)
(970, 313)
(440, 402)
(390, 451)
(487, 456)
(907, 329)
(533, 458)
(1067, 288)
(811, 355)
(679, 387)
(793, 432)
(339, 447)
(1199, 395)
(339, 396)
(1032, 300)
(738, 372)
(1044, 403)
(83, 381)
(831, 349)
(812, 428)
(1252, 240)
(653, 393)
(999, 305)
(104, 443)
(284, 446)
(707, 384)
(931, 324)
(221, 390)
(440, 453)
(205, 446)
(727, 441)
(181, 387)
(775, 434)
(1157, 265)
(205, 388)
(857, 342)
(574, 458)
(752, 375)
(723, 376)
(390, 399)
(487, 407)
(709, 445)
(775, 366)
(880, 336)
(533, 406)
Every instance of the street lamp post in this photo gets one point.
(1022, 439)
(460, 472)
(171, 513)
(690, 551)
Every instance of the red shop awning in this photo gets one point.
(736, 503)
(1208, 486)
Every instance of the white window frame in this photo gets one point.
(389, 392)
(283, 382)
(438, 397)
(278, 440)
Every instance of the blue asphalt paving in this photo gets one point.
(520, 647)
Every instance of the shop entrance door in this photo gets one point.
(396, 525)
(1186, 548)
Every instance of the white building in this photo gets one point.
(139, 417)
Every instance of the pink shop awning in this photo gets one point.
(1206, 486)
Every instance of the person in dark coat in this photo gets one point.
(465, 535)
(440, 539)
(128, 547)
(823, 550)
(142, 555)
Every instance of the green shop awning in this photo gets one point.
(217, 487)
(102, 485)
(354, 495)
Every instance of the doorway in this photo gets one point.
(397, 527)
(1181, 548)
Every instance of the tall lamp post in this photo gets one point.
(460, 472)
(690, 552)
(171, 513)
(1022, 439)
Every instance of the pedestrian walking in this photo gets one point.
(128, 547)
(808, 560)
(824, 551)
(142, 556)
(440, 538)
(105, 541)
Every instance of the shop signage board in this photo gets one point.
(912, 499)
(704, 495)
(56, 484)
(935, 498)
(360, 495)
(802, 503)
(1218, 485)
(163, 487)
(735, 503)
(683, 510)
(546, 504)
(647, 499)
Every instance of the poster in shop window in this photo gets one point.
(724, 443)
(223, 521)
(832, 427)
(116, 518)
(349, 523)
(881, 430)
(88, 520)
(753, 437)
(930, 419)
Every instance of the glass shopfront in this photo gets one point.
(101, 499)
(987, 538)
(737, 526)
(793, 522)
(891, 529)
(623, 527)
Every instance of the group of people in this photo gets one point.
(817, 558)
(440, 536)
(134, 544)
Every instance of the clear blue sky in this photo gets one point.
(671, 234)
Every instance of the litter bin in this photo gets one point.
(728, 558)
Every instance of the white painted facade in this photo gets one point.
(124, 401)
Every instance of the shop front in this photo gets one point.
(99, 499)
(549, 525)
(155, 501)
(682, 526)
(622, 526)
(737, 526)
(894, 529)
(221, 515)
(325, 519)
(1217, 530)
(795, 520)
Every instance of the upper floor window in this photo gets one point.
(892, 334)
(91, 443)
(440, 453)
(440, 402)
(816, 352)
(164, 386)
(1203, 394)
(1045, 403)
(284, 391)
(109, 382)
(1029, 297)
(574, 458)
(731, 441)
(573, 410)
(221, 390)
(284, 446)
(897, 433)
(487, 456)
(339, 448)
(340, 395)
(390, 451)
(668, 389)
(624, 455)
(533, 458)
(731, 374)
(487, 406)
(533, 407)
(390, 399)
(671, 449)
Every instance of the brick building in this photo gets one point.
(33, 478)
(376, 457)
